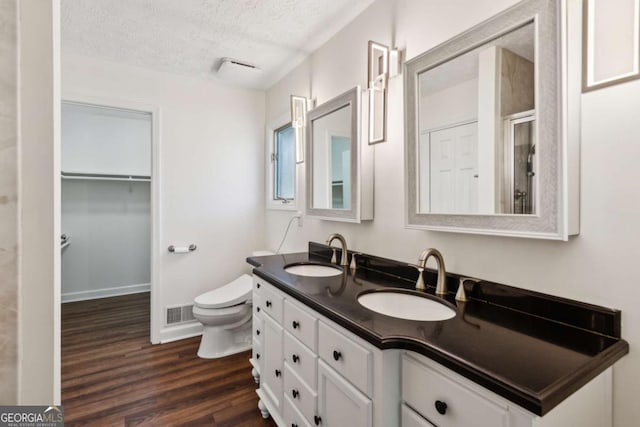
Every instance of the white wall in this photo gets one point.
(39, 203)
(598, 266)
(105, 141)
(451, 106)
(489, 127)
(8, 202)
(211, 170)
(109, 224)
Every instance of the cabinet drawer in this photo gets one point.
(258, 329)
(272, 303)
(293, 417)
(300, 324)
(300, 394)
(349, 359)
(428, 391)
(301, 359)
(411, 418)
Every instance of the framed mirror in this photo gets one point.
(484, 130)
(334, 161)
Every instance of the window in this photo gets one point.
(284, 164)
(281, 167)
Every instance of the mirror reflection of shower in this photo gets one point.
(523, 158)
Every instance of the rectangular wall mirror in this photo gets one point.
(477, 113)
(334, 156)
(484, 131)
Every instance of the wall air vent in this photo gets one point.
(187, 313)
(180, 314)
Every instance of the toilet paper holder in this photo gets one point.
(182, 250)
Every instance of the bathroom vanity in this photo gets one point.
(509, 357)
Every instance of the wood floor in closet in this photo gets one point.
(113, 376)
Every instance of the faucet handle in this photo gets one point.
(353, 264)
(420, 282)
(461, 295)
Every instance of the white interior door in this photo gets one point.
(454, 169)
(466, 168)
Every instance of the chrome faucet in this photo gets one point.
(344, 260)
(441, 286)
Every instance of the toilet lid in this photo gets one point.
(233, 293)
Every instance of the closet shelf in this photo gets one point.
(105, 177)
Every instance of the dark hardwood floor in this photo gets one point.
(113, 376)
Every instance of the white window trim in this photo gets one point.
(272, 204)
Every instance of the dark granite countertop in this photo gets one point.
(533, 349)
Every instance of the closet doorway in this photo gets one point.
(108, 204)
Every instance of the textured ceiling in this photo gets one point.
(191, 36)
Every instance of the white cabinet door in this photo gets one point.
(271, 378)
(340, 403)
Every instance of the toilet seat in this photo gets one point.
(233, 293)
(237, 315)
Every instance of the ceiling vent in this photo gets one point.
(237, 71)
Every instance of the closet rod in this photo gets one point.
(104, 177)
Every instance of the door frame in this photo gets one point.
(155, 311)
(508, 174)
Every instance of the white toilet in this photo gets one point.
(225, 313)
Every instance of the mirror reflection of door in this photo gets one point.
(521, 156)
(340, 171)
(331, 160)
(449, 158)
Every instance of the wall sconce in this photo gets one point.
(298, 121)
(378, 76)
(600, 67)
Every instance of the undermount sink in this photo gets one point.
(313, 270)
(405, 304)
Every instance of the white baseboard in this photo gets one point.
(105, 292)
(180, 332)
